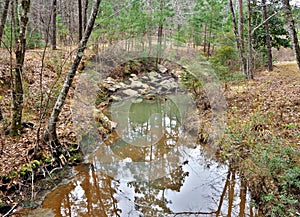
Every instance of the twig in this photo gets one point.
(195, 213)
(57, 168)
(32, 184)
(12, 209)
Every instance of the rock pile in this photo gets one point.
(149, 85)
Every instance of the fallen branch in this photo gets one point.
(11, 210)
(195, 213)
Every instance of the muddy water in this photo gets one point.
(151, 167)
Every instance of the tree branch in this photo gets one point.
(262, 23)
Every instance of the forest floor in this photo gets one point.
(262, 136)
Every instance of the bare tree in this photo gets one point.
(17, 88)
(238, 39)
(241, 24)
(50, 133)
(268, 39)
(292, 30)
(79, 20)
(3, 18)
(86, 5)
(249, 56)
(53, 36)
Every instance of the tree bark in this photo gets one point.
(160, 32)
(79, 20)
(249, 65)
(1, 116)
(17, 87)
(3, 19)
(238, 41)
(54, 13)
(241, 24)
(268, 39)
(210, 29)
(205, 37)
(50, 135)
(86, 5)
(292, 30)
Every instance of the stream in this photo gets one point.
(149, 166)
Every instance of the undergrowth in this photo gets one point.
(270, 165)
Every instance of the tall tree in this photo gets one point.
(17, 87)
(210, 28)
(54, 13)
(3, 18)
(160, 29)
(241, 31)
(50, 133)
(249, 55)
(241, 24)
(292, 30)
(238, 39)
(79, 20)
(268, 40)
(85, 8)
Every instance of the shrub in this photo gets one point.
(226, 64)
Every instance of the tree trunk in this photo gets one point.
(54, 12)
(250, 66)
(50, 133)
(241, 25)
(1, 116)
(86, 5)
(160, 32)
(292, 30)
(205, 33)
(159, 42)
(3, 18)
(17, 88)
(238, 41)
(79, 20)
(268, 39)
(210, 30)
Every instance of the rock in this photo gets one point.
(134, 76)
(130, 92)
(122, 85)
(143, 91)
(136, 84)
(136, 100)
(118, 86)
(150, 96)
(145, 78)
(115, 98)
(162, 68)
(153, 74)
(169, 84)
(109, 80)
(110, 87)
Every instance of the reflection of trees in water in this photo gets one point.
(94, 193)
(153, 129)
(90, 194)
(150, 196)
(228, 197)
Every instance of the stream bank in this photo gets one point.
(153, 161)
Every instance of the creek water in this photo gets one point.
(149, 166)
